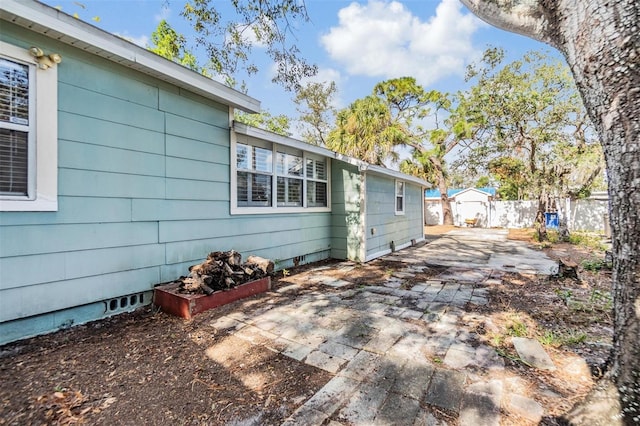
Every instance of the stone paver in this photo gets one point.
(364, 404)
(397, 410)
(526, 407)
(446, 389)
(395, 351)
(325, 361)
(532, 352)
(481, 404)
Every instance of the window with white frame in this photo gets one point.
(17, 124)
(316, 182)
(272, 177)
(255, 171)
(399, 197)
(28, 132)
(290, 178)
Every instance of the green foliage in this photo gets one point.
(525, 125)
(587, 239)
(394, 115)
(552, 237)
(264, 120)
(313, 103)
(593, 265)
(511, 174)
(517, 328)
(568, 338)
(167, 43)
(564, 294)
(366, 130)
(229, 40)
(601, 298)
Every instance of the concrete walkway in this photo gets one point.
(396, 354)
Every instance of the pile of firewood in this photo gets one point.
(223, 270)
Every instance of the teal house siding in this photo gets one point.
(347, 212)
(144, 186)
(383, 225)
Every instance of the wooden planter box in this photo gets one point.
(188, 305)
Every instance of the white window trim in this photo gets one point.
(45, 176)
(274, 208)
(395, 197)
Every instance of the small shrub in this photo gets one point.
(586, 239)
(603, 298)
(571, 337)
(517, 329)
(564, 294)
(593, 265)
(549, 338)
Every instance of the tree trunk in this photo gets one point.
(447, 214)
(601, 42)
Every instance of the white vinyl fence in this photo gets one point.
(585, 215)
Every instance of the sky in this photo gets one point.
(357, 44)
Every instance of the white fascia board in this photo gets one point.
(268, 136)
(470, 190)
(46, 20)
(398, 175)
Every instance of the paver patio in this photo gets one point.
(393, 351)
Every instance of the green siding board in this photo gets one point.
(196, 170)
(111, 260)
(36, 239)
(194, 107)
(73, 182)
(202, 151)
(184, 251)
(174, 271)
(148, 210)
(381, 214)
(79, 128)
(27, 270)
(80, 101)
(26, 301)
(346, 183)
(186, 189)
(84, 156)
(49, 322)
(70, 265)
(192, 129)
(235, 226)
(106, 78)
(74, 210)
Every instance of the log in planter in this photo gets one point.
(220, 279)
(187, 305)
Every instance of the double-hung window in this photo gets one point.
(28, 132)
(254, 179)
(399, 197)
(275, 178)
(290, 178)
(17, 128)
(316, 182)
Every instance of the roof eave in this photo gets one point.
(58, 25)
(363, 166)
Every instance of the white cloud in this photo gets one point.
(384, 39)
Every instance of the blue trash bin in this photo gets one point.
(551, 220)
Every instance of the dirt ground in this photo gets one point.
(148, 368)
